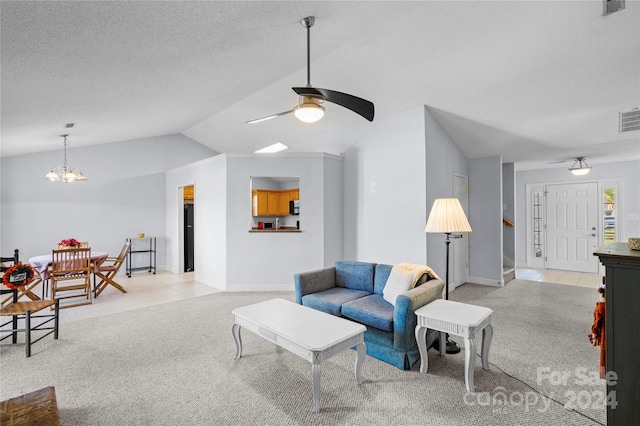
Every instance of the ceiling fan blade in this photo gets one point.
(268, 117)
(358, 105)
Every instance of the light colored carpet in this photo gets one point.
(173, 364)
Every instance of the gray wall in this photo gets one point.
(124, 195)
(628, 172)
(485, 217)
(443, 160)
(394, 169)
(509, 212)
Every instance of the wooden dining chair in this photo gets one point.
(27, 289)
(108, 269)
(9, 259)
(71, 275)
(24, 311)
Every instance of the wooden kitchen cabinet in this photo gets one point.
(272, 204)
(283, 203)
(259, 202)
(265, 202)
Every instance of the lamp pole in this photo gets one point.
(452, 347)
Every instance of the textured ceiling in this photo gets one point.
(535, 82)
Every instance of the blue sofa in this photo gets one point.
(353, 290)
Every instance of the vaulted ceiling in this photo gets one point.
(536, 82)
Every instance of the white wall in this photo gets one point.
(209, 179)
(124, 194)
(384, 187)
(227, 255)
(628, 172)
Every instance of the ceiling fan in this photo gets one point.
(309, 109)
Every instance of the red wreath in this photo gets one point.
(24, 271)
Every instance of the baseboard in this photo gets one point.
(485, 281)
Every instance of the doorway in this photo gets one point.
(189, 228)
(461, 245)
(572, 226)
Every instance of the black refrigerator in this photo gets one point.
(188, 237)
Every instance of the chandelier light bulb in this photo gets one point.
(64, 173)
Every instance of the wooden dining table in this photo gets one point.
(41, 264)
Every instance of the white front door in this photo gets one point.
(460, 245)
(572, 220)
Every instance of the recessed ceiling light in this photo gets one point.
(276, 147)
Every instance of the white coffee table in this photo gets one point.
(460, 319)
(308, 333)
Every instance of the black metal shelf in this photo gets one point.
(152, 256)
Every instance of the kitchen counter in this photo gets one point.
(282, 229)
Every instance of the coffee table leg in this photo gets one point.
(315, 370)
(236, 336)
(361, 350)
(469, 362)
(421, 338)
(487, 335)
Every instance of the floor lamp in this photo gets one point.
(447, 217)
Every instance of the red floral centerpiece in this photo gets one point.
(18, 275)
(69, 242)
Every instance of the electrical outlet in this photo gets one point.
(631, 216)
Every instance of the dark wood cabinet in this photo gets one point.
(622, 323)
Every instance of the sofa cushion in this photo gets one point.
(400, 281)
(355, 275)
(330, 301)
(370, 310)
(380, 277)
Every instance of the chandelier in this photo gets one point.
(580, 167)
(64, 173)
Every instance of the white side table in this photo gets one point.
(459, 319)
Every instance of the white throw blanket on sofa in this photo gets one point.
(403, 277)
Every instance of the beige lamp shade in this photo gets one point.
(447, 216)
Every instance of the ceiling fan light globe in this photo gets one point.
(580, 167)
(581, 172)
(309, 112)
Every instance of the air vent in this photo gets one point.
(611, 6)
(629, 120)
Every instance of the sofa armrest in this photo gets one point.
(314, 282)
(404, 317)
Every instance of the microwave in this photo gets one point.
(294, 207)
